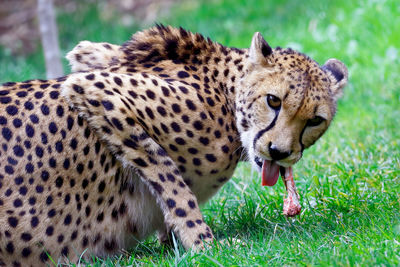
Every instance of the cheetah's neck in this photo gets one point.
(213, 66)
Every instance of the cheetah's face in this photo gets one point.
(285, 103)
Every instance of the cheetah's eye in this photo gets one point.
(274, 102)
(317, 120)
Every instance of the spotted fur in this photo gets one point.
(142, 134)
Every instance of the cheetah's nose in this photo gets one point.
(276, 154)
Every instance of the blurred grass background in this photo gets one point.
(349, 182)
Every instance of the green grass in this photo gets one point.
(349, 182)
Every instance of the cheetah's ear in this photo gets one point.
(259, 50)
(339, 76)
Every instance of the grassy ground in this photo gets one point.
(349, 182)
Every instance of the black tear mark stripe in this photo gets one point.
(301, 139)
(263, 131)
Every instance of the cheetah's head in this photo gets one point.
(284, 103)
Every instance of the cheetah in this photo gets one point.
(139, 135)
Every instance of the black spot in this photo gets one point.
(192, 204)
(157, 69)
(73, 143)
(17, 203)
(43, 256)
(10, 247)
(183, 74)
(49, 200)
(140, 162)
(198, 125)
(180, 212)
(100, 217)
(154, 82)
(210, 101)
(85, 183)
(23, 190)
(68, 219)
(193, 150)
(99, 85)
(45, 109)
(67, 199)
(185, 118)
(9, 169)
(149, 113)
(211, 158)
(29, 130)
(59, 181)
(176, 108)
(18, 151)
(50, 230)
(60, 111)
(39, 189)
(180, 141)
(59, 146)
(54, 94)
(29, 168)
(130, 143)
(90, 77)
(19, 180)
(34, 221)
(217, 134)
(53, 128)
(110, 245)
(171, 177)
(156, 186)
(5, 100)
(38, 95)
(165, 91)
(150, 94)
(11, 161)
(175, 126)
(107, 105)
(3, 120)
(196, 161)
(171, 203)
(87, 211)
(32, 201)
(94, 103)
(65, 251)
(44, 138)
(162, 111)
(7, 134)
(190, 224)
(173, 148)
(51, 213)
(225, 149)
(52, 162)
(190, 104)
(204, 140)
(101, 186)
(203, 116)
(13, 222)
(118, 81)
(27, 144)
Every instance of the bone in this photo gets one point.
(291, 204)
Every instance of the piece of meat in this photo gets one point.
(291, 204)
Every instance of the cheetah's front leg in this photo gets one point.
(124, 134)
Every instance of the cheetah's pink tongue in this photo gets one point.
(269, 173)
